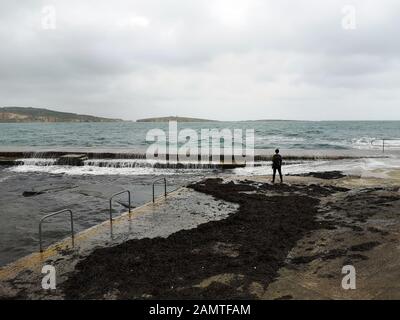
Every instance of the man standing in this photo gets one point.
(277, 165)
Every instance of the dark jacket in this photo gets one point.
(276, 161)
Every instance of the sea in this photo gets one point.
(311, 135)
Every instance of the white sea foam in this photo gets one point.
(365, 167)
(368, 167)
(91, 170)
(111, 167)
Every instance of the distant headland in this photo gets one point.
(177, 119)
(21, 115)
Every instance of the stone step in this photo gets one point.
(72, 160)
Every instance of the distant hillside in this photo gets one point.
(178, 119)
(20, 114)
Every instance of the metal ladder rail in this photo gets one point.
(116, 194)
(111, 217)
(54, 214)
(165, 186)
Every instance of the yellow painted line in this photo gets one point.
(35, 260)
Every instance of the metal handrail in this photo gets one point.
(165, 187)
(383, 142)
(51, 215)
(116, 194)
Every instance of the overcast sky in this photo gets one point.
(216, 59)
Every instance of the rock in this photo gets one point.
(31, 193)
(72, 160)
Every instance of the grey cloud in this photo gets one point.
(218, 59)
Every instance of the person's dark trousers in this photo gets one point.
(280, 174)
